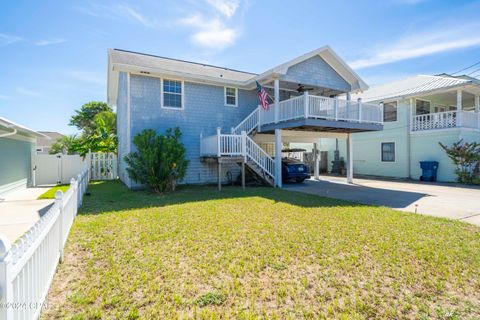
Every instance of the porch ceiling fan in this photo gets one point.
(301, 88)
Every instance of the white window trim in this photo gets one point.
(225, 97)
(394, 152)
(425, 100)
(182, 95)
(398, 104)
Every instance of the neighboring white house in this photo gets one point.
(17, 149)
(44, 144)
(419, 112)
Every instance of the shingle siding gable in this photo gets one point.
(316, 72)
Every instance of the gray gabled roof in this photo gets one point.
(412, 86)
(129, 61)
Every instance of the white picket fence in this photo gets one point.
(103, 166)
(27, 267)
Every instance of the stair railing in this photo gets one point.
(248, 124)
(256, 154)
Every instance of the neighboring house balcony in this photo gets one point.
(446, 120)
(446, 110)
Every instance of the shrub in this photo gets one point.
(466, 157)
(159, 161)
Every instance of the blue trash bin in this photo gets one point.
(429, 170)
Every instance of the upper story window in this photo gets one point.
(422, 107)
(390, 111)
(231, 98)
(172, 94)
(388, 151)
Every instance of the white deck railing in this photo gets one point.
(230, 145)
(27, 267)
(318, 107)
(446, 120)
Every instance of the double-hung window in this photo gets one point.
(388, 151)
(231, 97)
(172, 94)
(390, 111)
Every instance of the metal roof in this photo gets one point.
(411, 86)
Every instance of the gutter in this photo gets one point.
(3, 135)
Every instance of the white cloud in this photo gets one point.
(6, 39)
(49, 42)
(226, 7)
(212, 33)
(119, 11)
(5, 97)
(421, 44)
(28, 92)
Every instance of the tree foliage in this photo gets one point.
(84, 119)
(99, 129)
(466, 157)
(159, 161)
(66, 145)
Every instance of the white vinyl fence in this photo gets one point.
(61, 168)
(27, 267)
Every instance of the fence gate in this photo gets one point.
(103, 166)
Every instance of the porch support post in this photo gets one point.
(276, 92)
(459, 107)
(278, 158)
(477, 109)
(359, 109)
(316, 168)
(306, 104)
(219, 175)
(349, 159)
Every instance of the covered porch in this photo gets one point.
(458, 108)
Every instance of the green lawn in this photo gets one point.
(50, 193)
(261, 253)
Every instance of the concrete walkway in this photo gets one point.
(20, 210)
(436, 199)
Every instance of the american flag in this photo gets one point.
(263, 96)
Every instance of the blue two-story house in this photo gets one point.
(217, 109)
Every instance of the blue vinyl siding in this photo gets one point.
(203, 112)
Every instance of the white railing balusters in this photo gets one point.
(445, 120)
(256, 154)
(248, 124)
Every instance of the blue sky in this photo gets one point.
(53, 54)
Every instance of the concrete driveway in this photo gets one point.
(436, 199)
(20, 210)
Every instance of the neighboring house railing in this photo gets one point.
(445, 120)
(318, 107)
(27, 267)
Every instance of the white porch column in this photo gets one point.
(316, 168)
(349, 159)
(477, 103)
(459, 108)
(276, 100)
(278, 158)
(459, 100)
